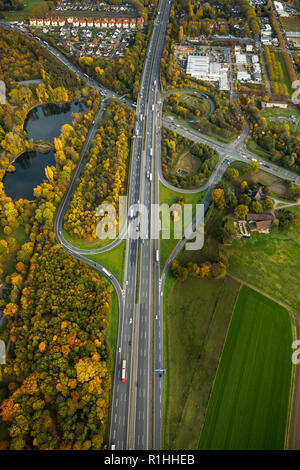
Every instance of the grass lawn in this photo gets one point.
(286, 78)
(29, 5)
(83, 244)
(279, 117)
(112, 330)
(249, 404)
(277, 185)
(113, 260)
(170, 197)
(196, 317)
(254, 148)
(290, 23)
(270, 262)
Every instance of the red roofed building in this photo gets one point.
(104, 22)
(111, 23)
(132, 23)
(140, 22)
(119, 23)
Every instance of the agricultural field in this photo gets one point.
(249, 403)
(197, 315)
(290, 23)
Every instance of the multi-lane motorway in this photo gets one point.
(132, 412)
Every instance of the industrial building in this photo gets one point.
(203, 68)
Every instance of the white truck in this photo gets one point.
(150, 177)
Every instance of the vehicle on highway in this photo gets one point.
(141, 117)
(130, 321)
(150, 177)
(156, 317)
(123, 370)
(254, 159)
(131, 213)
(148, 174)
(119, 350)
(93, 123)
(204, 95)
(113, 447)
(157, 256)
(151, 152)
(108, 274)
(153, 107)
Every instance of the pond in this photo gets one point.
(43, 122)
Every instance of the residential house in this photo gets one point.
(140, 22)
(256, 194)
(132, 23)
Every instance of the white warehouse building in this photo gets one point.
(200, 67)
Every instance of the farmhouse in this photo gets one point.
(256, 194)
(260, 222)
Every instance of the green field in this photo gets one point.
(286, 78)
(270, 262)
(85, 245)
(167, 196)
(29, 5)
(249, 404)
(196, 317)
(113, 260)
(277, 185)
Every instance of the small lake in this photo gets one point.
(43, 122)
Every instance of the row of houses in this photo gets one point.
(125, 23)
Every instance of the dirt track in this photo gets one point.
(294, 440)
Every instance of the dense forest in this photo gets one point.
(174, 145)
(103, 177)
(281, 144)
(55, 385)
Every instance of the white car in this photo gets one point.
(130, 320)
